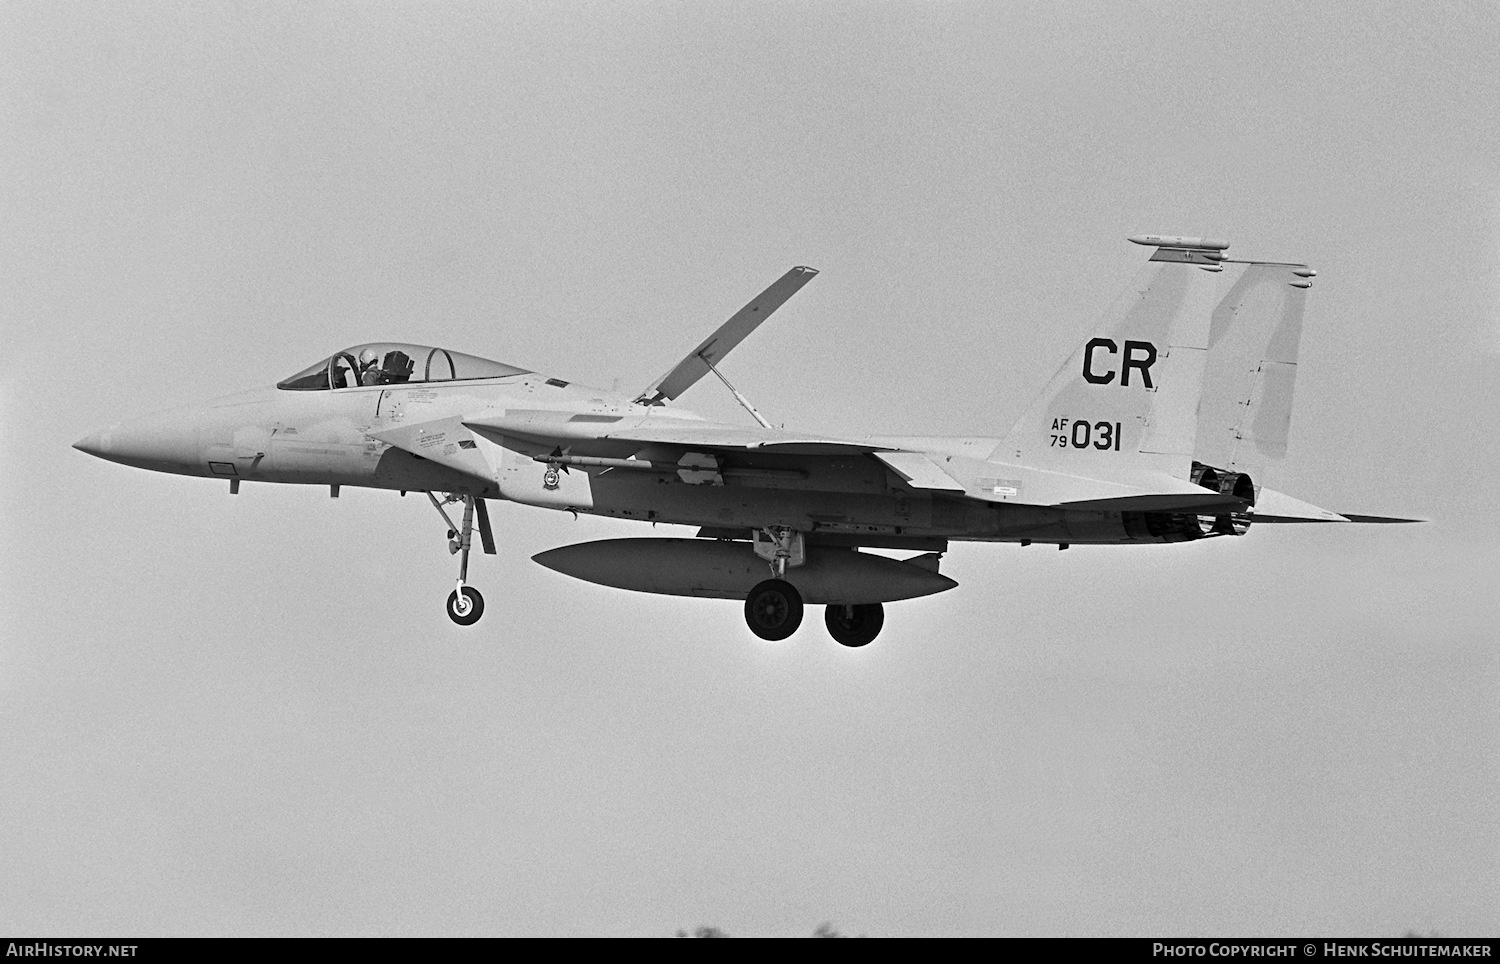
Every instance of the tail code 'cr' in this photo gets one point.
(1126, 400)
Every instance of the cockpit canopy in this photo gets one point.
(390, 363)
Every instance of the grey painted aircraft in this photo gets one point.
(1148, 433)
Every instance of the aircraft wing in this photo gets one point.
(446, 442)
(566, 428)
(713, 349)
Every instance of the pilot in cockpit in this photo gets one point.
(369, 367)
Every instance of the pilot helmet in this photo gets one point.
(368, 357)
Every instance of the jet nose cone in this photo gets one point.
(164, 442)
(93, 444)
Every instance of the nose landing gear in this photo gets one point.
(465, 604)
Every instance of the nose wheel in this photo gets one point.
(465, 604)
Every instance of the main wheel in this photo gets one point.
(466, 609)
(773, 610)
(854, 625)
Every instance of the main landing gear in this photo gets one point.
(773, 609)
(465, 604)
(854, 625)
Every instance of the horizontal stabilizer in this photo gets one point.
(1273, 506)
(1206, 502)
(1260, 519)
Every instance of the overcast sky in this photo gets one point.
(250, 715)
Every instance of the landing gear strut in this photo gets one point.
(465, 604)
(773, 610)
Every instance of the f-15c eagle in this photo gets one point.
(1149, 433)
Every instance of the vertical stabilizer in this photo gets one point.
(1126, 401)
(1246, 413)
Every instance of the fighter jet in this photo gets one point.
(1148, 433)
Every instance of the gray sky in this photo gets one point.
(251, 716)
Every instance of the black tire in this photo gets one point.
(854, 625)
(773, 610)
(465, 613)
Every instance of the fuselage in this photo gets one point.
(1125, 444)
(327, 437)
